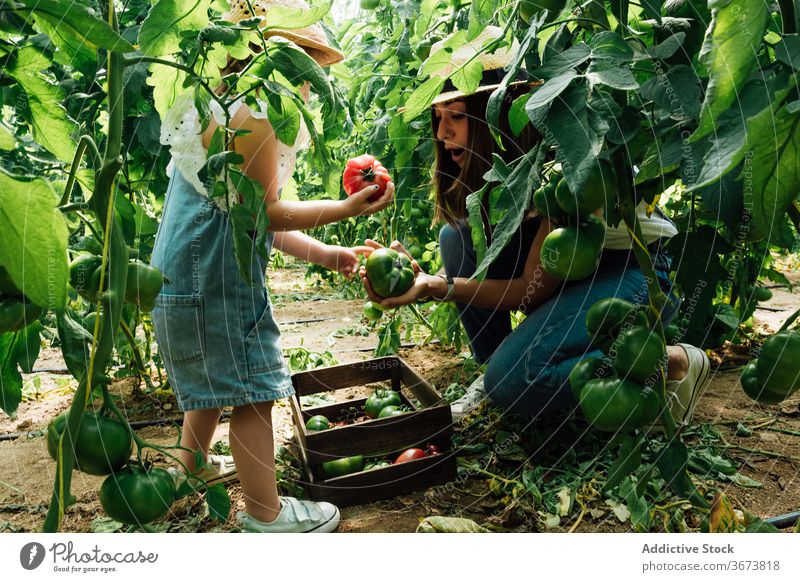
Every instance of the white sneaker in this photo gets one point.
(296, 516)
(219, 469)
(683, 395)
(222, 470)
(472, 399)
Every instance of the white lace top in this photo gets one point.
(180, 130)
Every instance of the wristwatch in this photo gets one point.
(451, 288)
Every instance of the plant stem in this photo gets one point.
(656, 296)
(419, 316)
(136, 355)
(188, 70)
(788, 16)
(85, 142)
(115, 254)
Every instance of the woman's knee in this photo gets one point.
(455, 246)
(522, 386)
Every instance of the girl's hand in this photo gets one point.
(359, 205)
(343, 259)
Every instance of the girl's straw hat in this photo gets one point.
(493, 63)
(312, 37)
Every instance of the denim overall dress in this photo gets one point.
(215, 331)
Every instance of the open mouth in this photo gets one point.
(458, 154)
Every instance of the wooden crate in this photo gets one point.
(429, 423)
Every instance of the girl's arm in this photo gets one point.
(309, 249)
(260, 152)
(300, 245)
(523, 293)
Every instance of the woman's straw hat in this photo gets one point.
(312, 37)
(493, 63)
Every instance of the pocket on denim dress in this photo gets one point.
(262, 344)
(178, 322)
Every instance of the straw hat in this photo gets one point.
(493, 63)
(312, 38)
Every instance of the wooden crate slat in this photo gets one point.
(344, 376)
(385, 482)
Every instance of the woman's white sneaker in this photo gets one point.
(472, 399)
(684, 394)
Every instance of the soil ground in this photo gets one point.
(764, 440)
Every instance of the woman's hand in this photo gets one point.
(359, 205)
(395, 246)
(424, 285)
(342, 259)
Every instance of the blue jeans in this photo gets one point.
(528, 368)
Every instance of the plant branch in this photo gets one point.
(85, 142)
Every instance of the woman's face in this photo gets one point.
(453, 129)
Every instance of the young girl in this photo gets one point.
(528, 368)
(216, 332)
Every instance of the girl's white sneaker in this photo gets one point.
(296, 516)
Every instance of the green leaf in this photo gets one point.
(672, 462)
(610, 46)
(71, 50)
(285, 119)
(219, 504)
(404, 141)
(480, 14)
(567, 127)
(467, 78)
(550, 90)
(297, 66)
(7, 141)
(745, 481)
(787, 51)
(571, 58)
(242, 224)
(160, 33)
(422, 97)
(18, 349)
(628, 460)
(167, 83)
(517, 117)
(668, 47)
(75, 341)
(476, 215)
(436, 61)
(31, 343)
(652, 8)
(51, 126)
(759, 526)
(517, 191)
(676, 92)
(289, 17)
(498, 97)
(612, 75)
(637, 505)
(388, 339)
(34, 249)
(697, 267)
(77, 21)
(773, 169)
(10, 378)
(727, 148)
(729, 52)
